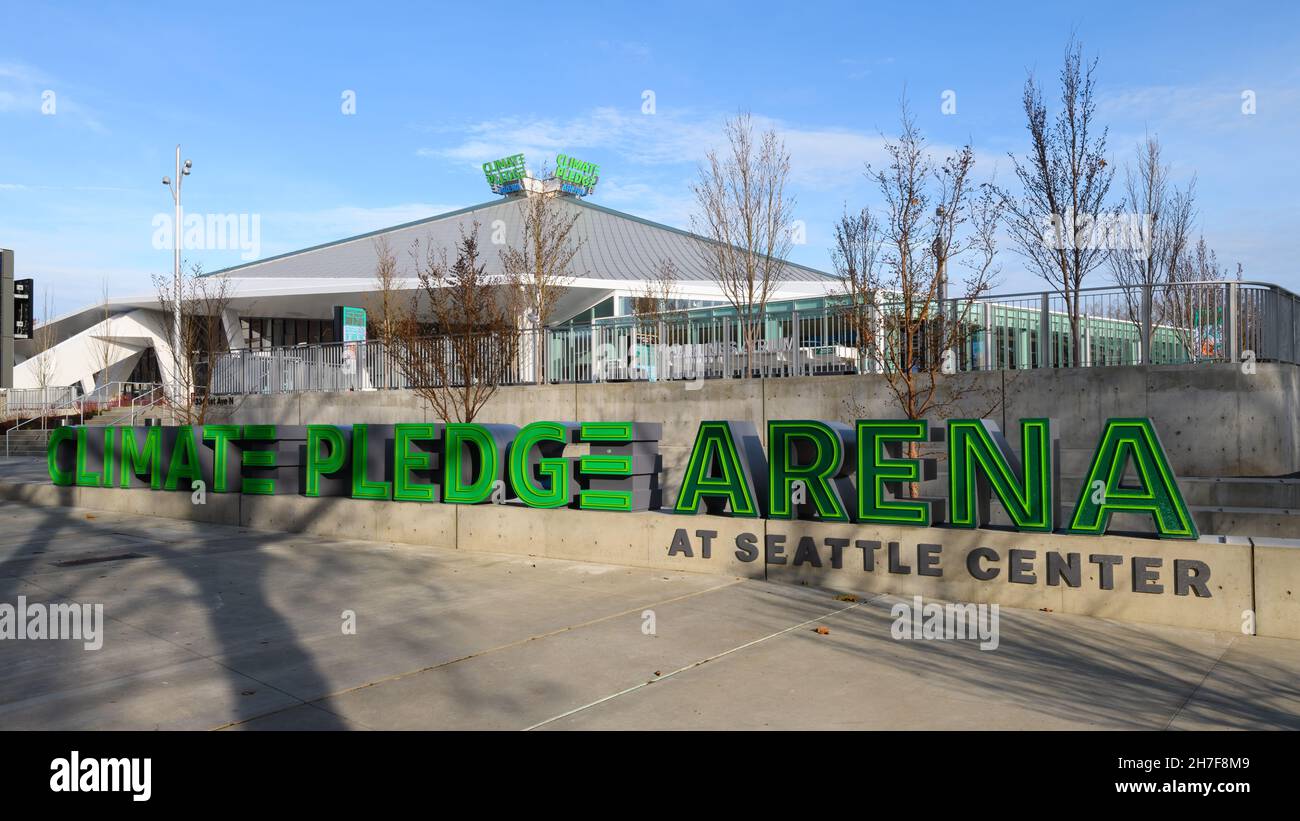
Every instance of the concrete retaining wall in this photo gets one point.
(1213, 420)
(932, 562)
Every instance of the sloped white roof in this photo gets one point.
(617, 246)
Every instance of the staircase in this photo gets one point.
(24, 443)
(114, 403)
(124, 416)
(1264, 506)
(1255, 506)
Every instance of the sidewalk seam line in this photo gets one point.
(516, 643)
(1200, 684)
(695, 664)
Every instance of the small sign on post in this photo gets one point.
(350, 329)
(349, 324)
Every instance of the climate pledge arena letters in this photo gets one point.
(822, 503)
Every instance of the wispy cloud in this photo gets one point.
(821, 158)
(1200, 106)
(668, 204)
(27, 90)
(291, 230)
(637, 138)
(625, 48)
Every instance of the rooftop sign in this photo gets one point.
(575, 177)
(506, 174)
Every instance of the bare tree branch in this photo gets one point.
(458, 359)
(744, 212)
(1064, 184)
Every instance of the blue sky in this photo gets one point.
(253, 92)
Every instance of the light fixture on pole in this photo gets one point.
(182, 171)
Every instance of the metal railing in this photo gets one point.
(76, 410)
(1186, 323)
(20, 401)
(148, 399)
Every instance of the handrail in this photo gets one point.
(157, 389)
(1163, 324)
(94, 398)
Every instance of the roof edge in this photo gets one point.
(346, 240)
(459, 211)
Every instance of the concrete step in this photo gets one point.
(1209, 491)
(1261, 522)
(120, 417)
(1240, 491)
(1265, 506)
(24, 442)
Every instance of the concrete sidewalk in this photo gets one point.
(221, 627)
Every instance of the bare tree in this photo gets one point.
(1165, 214)
(386, 307)
(540, 268)
(856, 257)
(458, 359)
(894, 272)
(745, 213)
(658, 291)
(44, 360)
(103, 344)
(203, 301)
(1064, 184)
(934, 215)
(1193, 309)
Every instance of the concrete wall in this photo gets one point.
(1262, 578)
(1213, 420)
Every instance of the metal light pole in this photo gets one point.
(181, 173)
(940, 249)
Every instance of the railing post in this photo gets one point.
(1291, 337)
(662, 366)
(988, 336)
(796, 355)
(1231, 343)
(952, 333)
(1276, 299)
(633, 354)
(1146, 323)
(1044, 330)
(726, 348)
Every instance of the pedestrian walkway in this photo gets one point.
(212, 627)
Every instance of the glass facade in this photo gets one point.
(260, 333)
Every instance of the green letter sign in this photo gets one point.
(980, 461)
(1104, 493)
